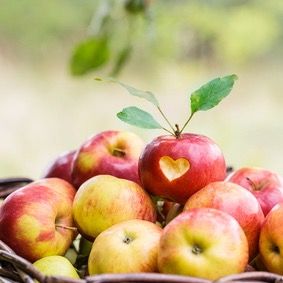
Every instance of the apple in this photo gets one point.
(270, 241)
(203, 242)
(61, 166)
(176, 167)
(56, 265)
(36, 220)
(236, 201)
(266, 185)
(127, 247)
(105, 200)
(110, 152)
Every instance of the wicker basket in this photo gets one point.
(14, 268)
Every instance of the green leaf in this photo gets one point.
(210, 94)
(135, 6)
(137, 117)
(149, 96)
(121, 60)
(89, 55)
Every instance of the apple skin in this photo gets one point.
(203, 242)
(61, 167)
(32, 217)
(56, 265)
(110, 152)
(266, 185)
(127, 247)
(105, 200)
(270, 241)
(162, 175)
(236, 201)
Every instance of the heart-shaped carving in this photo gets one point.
(173, 169)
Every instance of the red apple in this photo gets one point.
(236, 201)
(203, 242)
(266, 185)
(61, 167)
(175, 168)
(112, 153)
(105, 200)
(36, 220)
(270, 241)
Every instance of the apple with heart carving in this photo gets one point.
(175, 166)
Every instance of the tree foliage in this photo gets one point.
(108, 34)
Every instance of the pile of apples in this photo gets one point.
(169, 207)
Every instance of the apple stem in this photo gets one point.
(118, 152)
(256, 187)
(177, 131)
(191, 116)
(66, 227)
(252, 183)
(168, 122)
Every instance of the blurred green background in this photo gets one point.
(50, 102)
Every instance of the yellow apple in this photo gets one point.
(57, 266)
(105, 200)
(129, 246)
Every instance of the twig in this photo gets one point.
(23, 265)
(144, 277)
(9, 185)
(253, 276)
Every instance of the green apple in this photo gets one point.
(203, 242)
(129, 246)
(57, 266)
(105, 200)
(36, 220)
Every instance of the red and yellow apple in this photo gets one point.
(129, 246)
(271, 241)
(175, 168)
(266, 185)
(105, 200)
(36, 220)
(203, 242)
(236, 201)
(112, 153)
